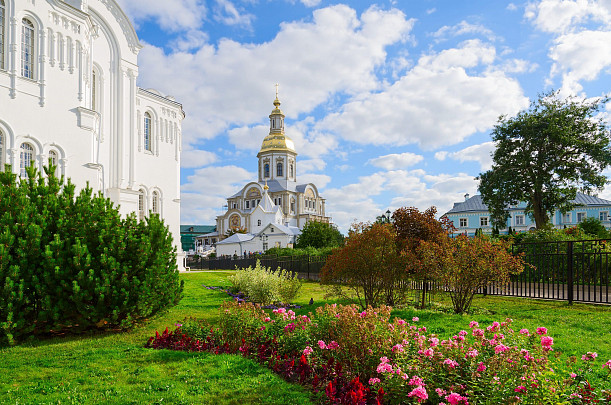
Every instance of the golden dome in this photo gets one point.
(277, 142)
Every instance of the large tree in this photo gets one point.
(319, 235)
(544, 156)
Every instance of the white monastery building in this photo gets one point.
(275, 208)
(68, 93)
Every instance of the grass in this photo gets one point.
(115, 368)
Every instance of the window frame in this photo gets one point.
(266, 172)
(581, 214)
(460, 222)
(141, 204)
(522, 219)
(54, 158)
(606, 216)
(155, 203)
(567, 218)
(28, 65)
(482, 220)
(147, 131)
(25, 152)
(279, 169)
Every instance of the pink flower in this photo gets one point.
(547, 342)
(322, 344)
(472, 353)
(451, 363)
(428, 352)
(363, 314)
(384, 359)
(440, 392)
(415, 319)
(419, 393)
(607, 365)
(434, 342)
(473, 324)
(415, 380)
(384, 368)
(373, 381)
(290, 327)
(500, 348)
(333, 345)
(401, 322)
(308, 350)
(455, 399)
(590, 356)
(397, 348)
(478, 332)
(481, 367)
(267, 319)
(573, 375)
(524, 332)
(494, 327)
(541, 331)
(520, 389)
(462, 333)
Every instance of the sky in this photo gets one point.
(389, 103)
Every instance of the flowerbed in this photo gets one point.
(364, 357)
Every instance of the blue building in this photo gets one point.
(472, 214)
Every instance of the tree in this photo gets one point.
(413, 227)
(593, 227)
(464, 265)
(370, 264)
(319, 235)
(544, 156)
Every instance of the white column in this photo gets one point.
(42, 59)
(132, 126)
(13, 41)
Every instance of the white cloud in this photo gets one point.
(310, 165)
(561, 16)
(396, 161)
(193, 158)
(580, 56)
(310, 3)
(518, 66)
(207, 190)
(409, 188)
(463, 28)
(481, 153)
(320, 180)
(171, 15)
(227, 13)
(436, 103)
(192, 39)
(226, 83)
(512, 7)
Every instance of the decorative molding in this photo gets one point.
(125, 24)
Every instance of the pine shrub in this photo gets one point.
(70, 263)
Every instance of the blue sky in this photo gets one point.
(390, 103)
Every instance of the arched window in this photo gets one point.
(2, 25)
(27, 49)
(147, 132)
(141, 205)
(94, 91)
(279, 170)
(155, 202)
(53, 159)
(291, 172)
(266, 170)
(26, 157)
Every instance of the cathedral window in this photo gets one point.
(266, 170)
(141, 205)
(27, 49)
(2, 24)
(54, 161)
(291, 173)
(147, 132)
(259, 222)
(26, 157)
(279, 170)
(247, 204)
(292, 206)
(155, 202)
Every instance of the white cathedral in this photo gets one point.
(68, 93)
(274, 209)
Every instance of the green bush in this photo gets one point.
(265, 286)
(70, 263)
(308, 251)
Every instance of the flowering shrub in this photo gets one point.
(265, 286)
(360, 357)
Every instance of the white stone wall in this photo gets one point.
(99, 140)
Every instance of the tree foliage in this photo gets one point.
(544, 156)
(69, 262)
(464, 265)
(593, 227)
(413, 226)
(370, 265)
(319, 235)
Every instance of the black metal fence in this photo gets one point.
(306, 267)
(570, 270)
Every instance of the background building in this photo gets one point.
(68, 71)
(276, 198)
(472, 214)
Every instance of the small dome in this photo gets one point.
(277, 142)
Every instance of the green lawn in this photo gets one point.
(115, 368)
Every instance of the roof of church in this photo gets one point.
(277, 140)
(288, 230)
(276, 186)
(237, 238)
(476, 203)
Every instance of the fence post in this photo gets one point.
(569, 253)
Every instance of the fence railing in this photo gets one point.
(306, 267)
(570, 270)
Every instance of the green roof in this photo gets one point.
(189, 232)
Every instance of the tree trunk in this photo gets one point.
(539, 213)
